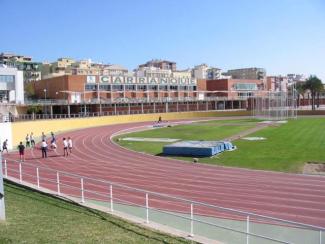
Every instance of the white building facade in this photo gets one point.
(11, 85)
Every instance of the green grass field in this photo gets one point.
(33, 217)
(286, 149)
(205, 130)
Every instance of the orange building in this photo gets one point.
(133, 94)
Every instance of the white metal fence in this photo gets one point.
(196, 218)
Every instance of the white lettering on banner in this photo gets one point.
(91, 79)
(118, 79)
(153, 81)
(142, 80)
(105, 79)
(130, 80)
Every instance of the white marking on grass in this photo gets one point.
(149, 139)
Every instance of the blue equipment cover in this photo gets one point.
(197, 148)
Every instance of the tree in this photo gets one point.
(314, 85)
(300, 88)
(30, 90)
(34, 109)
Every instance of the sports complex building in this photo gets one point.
(132, 94)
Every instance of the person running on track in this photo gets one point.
(27, 141)
(44, 149)
(65, 147)
(43, 137)
(21, 149)
(32, 140)
(5, 145)
(53, 141)
(70, 144)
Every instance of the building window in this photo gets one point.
(105, 87)
(7, 78)
(153, 87)
(163, 88)
(142, 87)
(117, 88)
(90, 87)
(173, 88)
(192, 88)
(183, 88)
(245, 86)
(130, 87)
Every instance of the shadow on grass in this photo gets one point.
(114, 220)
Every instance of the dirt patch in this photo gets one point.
(314, 168)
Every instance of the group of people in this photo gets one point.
(30, 142)
(67, 145)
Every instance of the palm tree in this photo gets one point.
(314, 85)
(300, 88)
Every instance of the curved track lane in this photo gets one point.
(294, 197)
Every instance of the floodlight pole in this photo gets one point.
(2, 194)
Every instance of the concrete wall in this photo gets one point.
(6, 133)
(20, 129)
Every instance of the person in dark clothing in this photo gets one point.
(5, 146)
(21, 149)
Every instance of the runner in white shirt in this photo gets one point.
(70, 144)
(44, 149)
(65, 147)
(32, 141)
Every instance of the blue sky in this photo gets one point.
(283, 36)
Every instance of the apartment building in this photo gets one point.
(160, 64)
(204, 71)
(277, 83)
(68, 66)
(31, 70)
(247, 73)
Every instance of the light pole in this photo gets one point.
(45, 108)
(45, 95)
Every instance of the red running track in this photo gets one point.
(293, 197)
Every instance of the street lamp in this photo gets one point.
(45, 95)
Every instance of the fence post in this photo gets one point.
(20, 173)
(82, 190)
(192, 222)
(247, 229)
(320, 237)
(147, 208)
(6, 169)
(37, 177)
(111, 196)
(58, 182)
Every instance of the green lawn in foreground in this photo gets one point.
(286, 149)
(33, 217)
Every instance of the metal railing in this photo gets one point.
(132, 100)
(195, 218)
